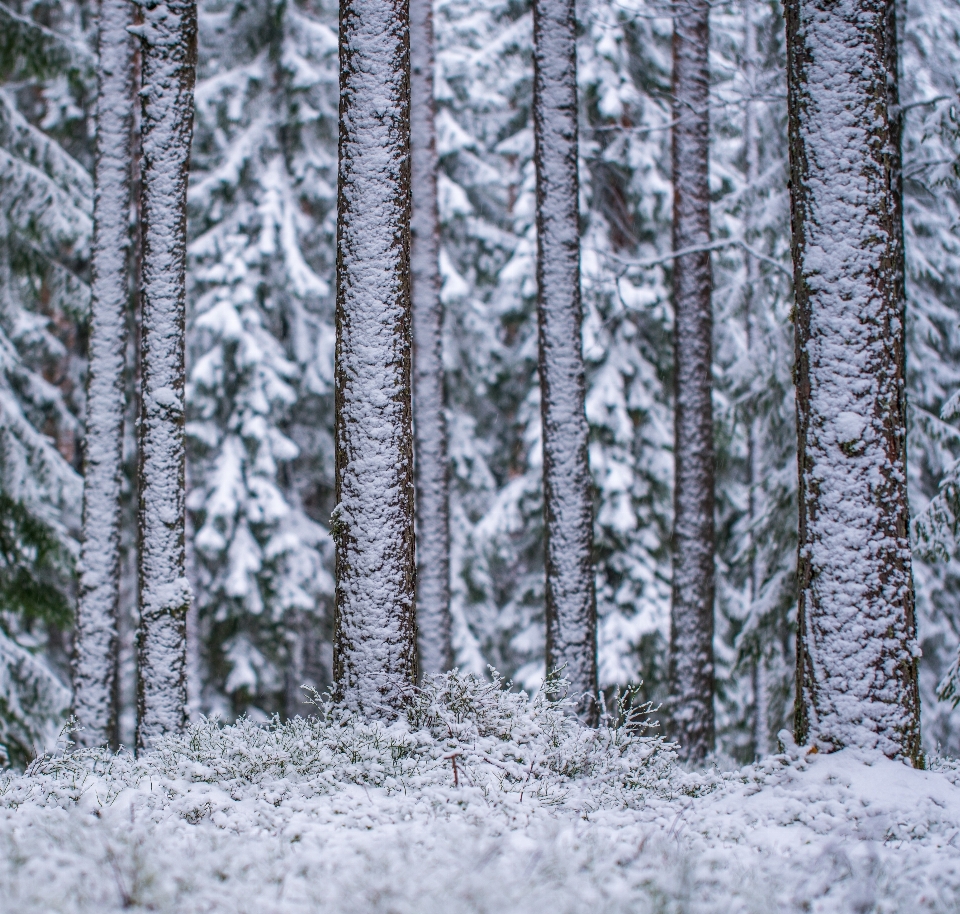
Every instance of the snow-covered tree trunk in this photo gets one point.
(751, 149)
(571, 606)
(691, 629)
(375, 641)
(95, 637)
(856, 644)
(169, 50)
(430, 431)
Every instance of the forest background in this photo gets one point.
(260, 339)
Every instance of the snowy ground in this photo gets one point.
(333, 815)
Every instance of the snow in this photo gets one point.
(476, 801)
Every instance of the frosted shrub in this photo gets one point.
(457, 731)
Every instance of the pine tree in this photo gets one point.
(430, 427)
(571, 607)
(487, 206)
(375, 647)
(692, 623)
(95, 638)
(260, 342)
(856, 647)
(753, 384)
(169, 41)
(45, 227)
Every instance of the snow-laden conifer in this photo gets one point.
(46, 194)
(570, 597)
(169, 45)
(95, 637)
(691, 629)
(260, 342)
(375, 647)
(430, 427)
(930, 56)
(857, 651)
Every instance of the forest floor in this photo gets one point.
(539, 815)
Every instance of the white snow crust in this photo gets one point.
(341, 815)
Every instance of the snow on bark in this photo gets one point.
(430, 431)
(169, 52)
(751, 149)
(856, 645)
(571, 606)
(691, 673)
(375, 641)
(95, 637)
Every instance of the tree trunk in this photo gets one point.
(856, 643)
(751, 148)
(375, 640)
(691, 634)
(95, 638)
(433, 518)
(571, 606)
(169, 50)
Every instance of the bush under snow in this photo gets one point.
(476, 800)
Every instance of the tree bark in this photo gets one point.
(856, 645)
(375, 640)
(571, 606)
(169, 50)
(691, 672)
(95, 638)
(430, 430)
(751, 148)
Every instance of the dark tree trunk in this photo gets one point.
(95, 638)
(856, 643)
(169, 52)
(571, 606)
(691, 630)
(375, 639)
(430, 429)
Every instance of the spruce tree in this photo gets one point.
(95, 637)
(46, 80)
(375, 646)
(856, 645)
(570, 597)
(430, 427)
(692, 623)
(168, 35)
(260, 340)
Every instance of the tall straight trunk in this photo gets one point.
(95, 638)
(691, 630)
(856, 643)
(571, 604)
(168, 72)
(375, 638)
(430, 429)
(751, 148)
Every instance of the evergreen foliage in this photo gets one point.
(260, 343)
(45, 226)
